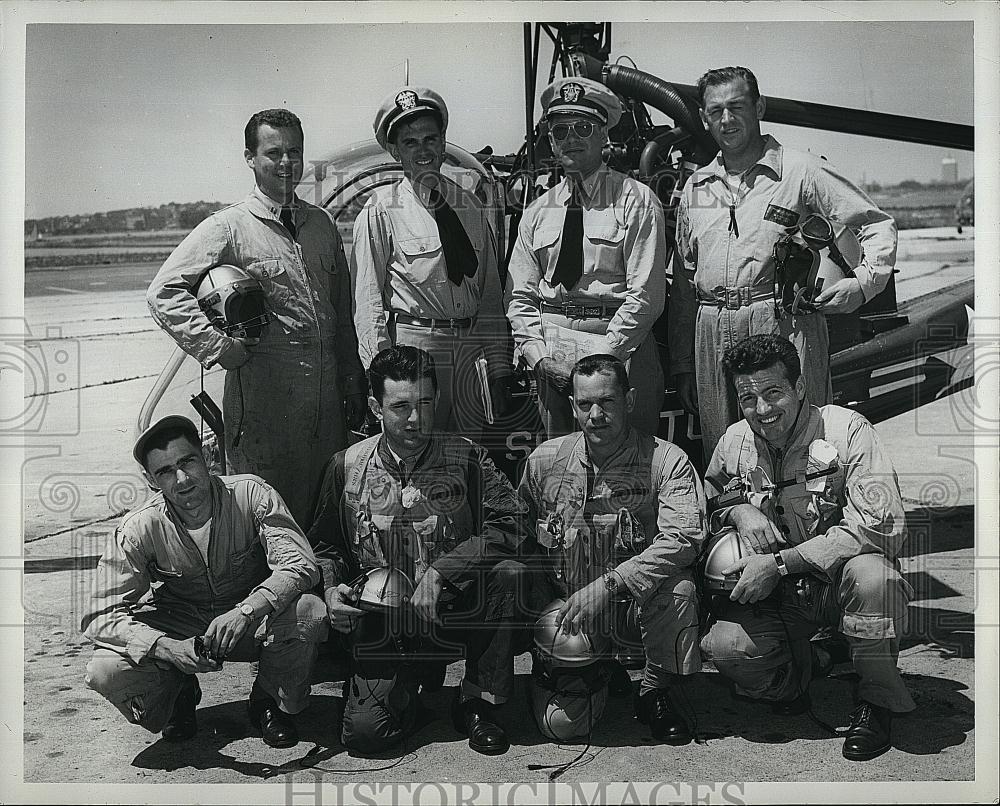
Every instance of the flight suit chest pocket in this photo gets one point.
(421, 259)
(274, 279)
(796, 515)
(328, 263)
(606, 235)
(266, 270)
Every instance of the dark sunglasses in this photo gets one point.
(582, 128)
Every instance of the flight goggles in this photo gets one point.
(582, 128)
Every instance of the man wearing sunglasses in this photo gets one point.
(732, 213)
(588, 271)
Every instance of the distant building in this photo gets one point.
(949, 171)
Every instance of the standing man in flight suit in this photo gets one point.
(731, 214)
(588, 271)
(424, 266)
(287, 395)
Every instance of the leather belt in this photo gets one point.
(732, 298)
(424, 321)
(582, 311)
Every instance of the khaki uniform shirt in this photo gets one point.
(624, 262)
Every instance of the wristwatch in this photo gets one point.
(780, 561)
(611, 582)
(246, 610)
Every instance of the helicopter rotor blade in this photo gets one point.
(861, 121)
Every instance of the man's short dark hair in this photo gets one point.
(757, 353)
(161, 439)
(275, 118)
(723, 75)
(400, 363)
(433, 114)
(592, 364)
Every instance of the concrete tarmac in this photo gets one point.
(77, 475)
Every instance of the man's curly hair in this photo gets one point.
(755, 353)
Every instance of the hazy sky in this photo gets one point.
(122, 115)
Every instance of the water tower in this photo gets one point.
(949, 170)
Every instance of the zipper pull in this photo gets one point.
(733, 228)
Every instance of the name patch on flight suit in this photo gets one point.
(781, 215)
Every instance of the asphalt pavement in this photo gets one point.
(96, 357)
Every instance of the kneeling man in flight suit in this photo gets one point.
(230, 573)
(434, 509)
(619, 519)
(826, 525)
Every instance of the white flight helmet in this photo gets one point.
(722, 551)
(817, 255)
(384, 589)
(562, 649)
(233, 301)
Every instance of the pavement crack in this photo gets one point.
(76, 526)
(92, 385)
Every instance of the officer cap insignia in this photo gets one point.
(407, 99)
(571, 92)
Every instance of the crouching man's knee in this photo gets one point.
(304, 619)
(873, 597)
(508, 577)
(143, 692)
(102, 670)
(761, 667)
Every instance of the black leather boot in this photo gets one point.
(276, 728)
(869, 733)
(183, 724)
(475, 718)
(654, 709)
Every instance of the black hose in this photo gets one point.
(664, 96)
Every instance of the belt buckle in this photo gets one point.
(732, 299)
(573, 311)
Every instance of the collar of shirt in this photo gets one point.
(218, 488)
(807, 427)
(422, 192)
(266, 203)
(592, 188)
(769, 161)
(399, 466)
(582, 455)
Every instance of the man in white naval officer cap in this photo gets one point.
(588, 271)
(424, 270)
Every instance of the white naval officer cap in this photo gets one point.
(582, 96)
(403, 104)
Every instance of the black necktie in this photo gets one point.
(569, 267)
(459, 256)
(287, 220)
